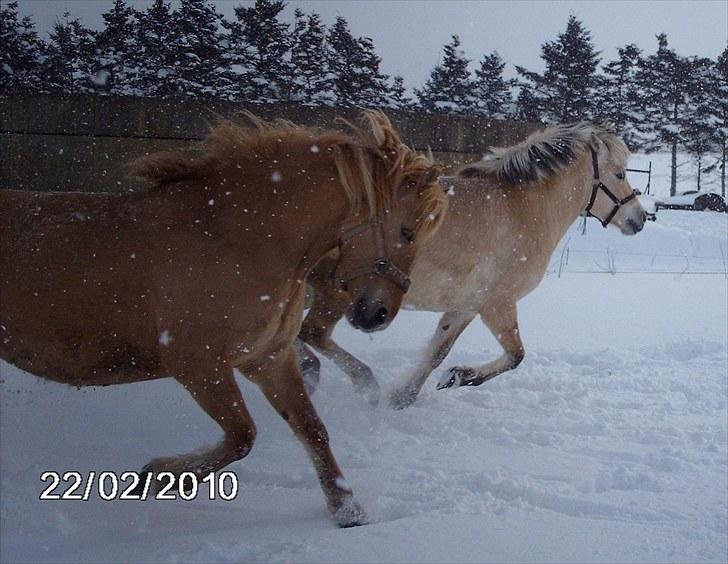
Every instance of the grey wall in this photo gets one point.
(50, 142)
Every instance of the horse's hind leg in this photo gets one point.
(310, 366)
(449, 328)
(218, 394)
(281, 382)
(327, 309)
(502, 320)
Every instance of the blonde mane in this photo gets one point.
(546, 153)
(372, 161)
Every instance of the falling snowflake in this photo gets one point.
(165, 338)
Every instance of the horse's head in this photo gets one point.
(612, 200)
(378, 245)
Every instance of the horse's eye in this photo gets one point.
(408, 234)
(620, 175)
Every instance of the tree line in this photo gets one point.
(660, 100)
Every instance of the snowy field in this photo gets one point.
(608, 444)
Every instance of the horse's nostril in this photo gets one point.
(381, 315)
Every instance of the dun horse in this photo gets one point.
(205, 272)
(506, 215)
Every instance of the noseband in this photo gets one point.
(381, 266)
(599, 185)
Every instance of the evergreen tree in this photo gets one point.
(492, 91)
(566, 90)
(449, 86)
(200, 67)
(309, 60)
(619, 96)
(719, 112)
(663, 81)
(398, 98)
(699, 128)
(116, 57)
(261, 44)
(373, 87)
(70, 57)
(527, 106)
(354, 68)
(156, 39)
(21, 56)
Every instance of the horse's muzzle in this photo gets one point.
(368, 316)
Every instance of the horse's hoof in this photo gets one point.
(139, 488)
(350, 514)
(399, 399)
(455, 377)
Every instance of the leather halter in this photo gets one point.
(599, 185)
(381, 266)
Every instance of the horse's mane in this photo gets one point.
(371, 160)
(545, 153)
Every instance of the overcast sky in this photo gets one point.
(409, 35)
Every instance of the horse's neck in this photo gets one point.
(563, 200)
(310, 214)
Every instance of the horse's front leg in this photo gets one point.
(218, 394)
(449, 328)
(502, 321)
(282, 383)
(327, 309)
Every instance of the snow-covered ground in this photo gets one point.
(608, 444)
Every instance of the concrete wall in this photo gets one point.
(50, 142)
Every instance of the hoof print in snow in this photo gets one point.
(399, 399)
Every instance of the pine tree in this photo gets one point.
(527, 106)
(373, 87)
(22, 54)
(261, 44)
(200, 67)
(354, 67)
(309, 59)
(566, 90)
(70, 57)
(663, 82)
(719, 112)
(156, 39)
(492, 91)
(699, 128)
(398, 98)
(116, 58)
(618, 96)
(449, 86)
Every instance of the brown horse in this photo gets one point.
(205, 272)
(507, 213)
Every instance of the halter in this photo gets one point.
(382, 266)
(599, 185)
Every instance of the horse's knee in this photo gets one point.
(314, 334)
(309, 363)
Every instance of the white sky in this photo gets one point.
(409, 35)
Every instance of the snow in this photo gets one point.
(608, 444)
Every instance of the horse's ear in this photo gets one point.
(432, 174)
(381, 128)
(596, 143)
